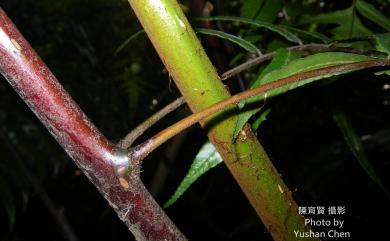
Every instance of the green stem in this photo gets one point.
(157, 140)
(195, 76)
(129, 139)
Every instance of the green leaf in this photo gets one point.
(309, 63)
(312, 62)
(263, 117)
(310, 36)
(275, 28)
(237, 40)
(345, 31)
(295, 9)
(269, 10)
(383, 42)
(261, 10)
(242, 119)
(251, 8)
(363, 45)
(335, 17)
(207, 158)
(349, 24)
(280, 59)
(356, 147)
(127, 41)
(386, 72)
(369, 11)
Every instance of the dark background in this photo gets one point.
(78, 38)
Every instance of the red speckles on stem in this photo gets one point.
(90, 150)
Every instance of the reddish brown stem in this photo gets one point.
(92, 152)
(129, 139)
(313, 48)
(164, 135)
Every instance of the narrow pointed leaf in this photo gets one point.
(250, 8)
(386, 72)
(369, 11)
(356, 147)
(382, 42)
(268, 11)
(232, 38)
(242, 119)
(349, 24)
(280, 59)
(309, 63)
(261, 10)
(310, 36)
(207, 158)
(263, 117)
(312, 62)
(272, 27)
(336, 17)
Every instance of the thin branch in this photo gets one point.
(129, 139)
(148, 146)
(316, 48)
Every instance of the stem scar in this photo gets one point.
(280, 189)
(124, 183)
(16, 44)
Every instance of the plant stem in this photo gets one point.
(178, 127)
(99, 159)
(314, 48)
(199, 83)
(129, 139)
